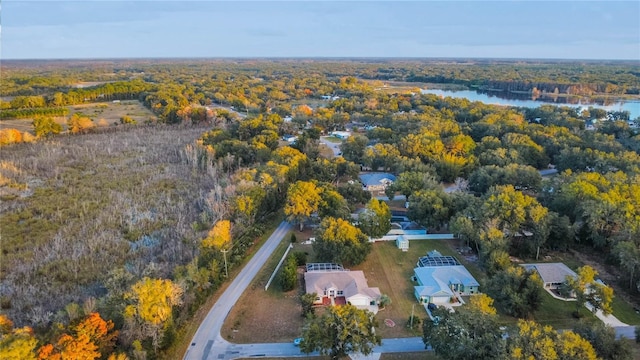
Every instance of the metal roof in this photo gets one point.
(438, 261)
(324, 267)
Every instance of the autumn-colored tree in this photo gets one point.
(10, 136)
(586, 289)
(152, 301)
(70, 348)
(375, 220)
(482, 303)
(219, 236)
(78, 124)
(99, 331)
(16, 344)
(303, 199)
(340, 242)
(533, 341)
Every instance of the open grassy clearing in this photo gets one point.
(390, 269)
(103, 114)
(332, 139)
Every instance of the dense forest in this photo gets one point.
(113, 236)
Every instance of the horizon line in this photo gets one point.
(318, 58)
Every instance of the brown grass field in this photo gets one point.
(103, 114)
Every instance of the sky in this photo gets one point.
(57, 29)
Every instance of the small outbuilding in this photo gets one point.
(402, 243)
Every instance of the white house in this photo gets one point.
(342, 135)
(553, 275)
(337, 287)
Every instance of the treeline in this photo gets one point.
(33, 112)
(242, 174)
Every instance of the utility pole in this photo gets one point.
(226, 271)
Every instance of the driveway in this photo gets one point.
(335, 147)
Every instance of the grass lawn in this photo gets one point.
(625, 312)
(272, 315)
(558, 313)
(390, 269)
(333, 139)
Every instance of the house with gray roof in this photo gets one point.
(439, 284)
(553, 275)
(441, 278)
(376, 181)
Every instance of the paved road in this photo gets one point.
(207, 343)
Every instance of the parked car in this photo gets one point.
(432, 306)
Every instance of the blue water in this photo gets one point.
(498, 98)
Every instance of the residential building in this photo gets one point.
(376, 181)
(441, 278)
(336, 286)
(553, 275)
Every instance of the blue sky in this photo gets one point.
(498, 29)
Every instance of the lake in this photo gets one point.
(526, 100)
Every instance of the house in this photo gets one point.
(441, 278)
(342, 135)
(553, 275)
(337, 286)
(291, 139)
(376, 181)
(439, 284)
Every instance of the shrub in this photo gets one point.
(301, 258)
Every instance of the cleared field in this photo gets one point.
(103, 114)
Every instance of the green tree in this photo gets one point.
(516, 290)
(339, 331)
(45, 126)
(375, 220)
(603, 339)
(628, 254)
(333, 204)
(340, 242)
(466, 334)
(289, 274)
(307, 300)
(429, 208)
